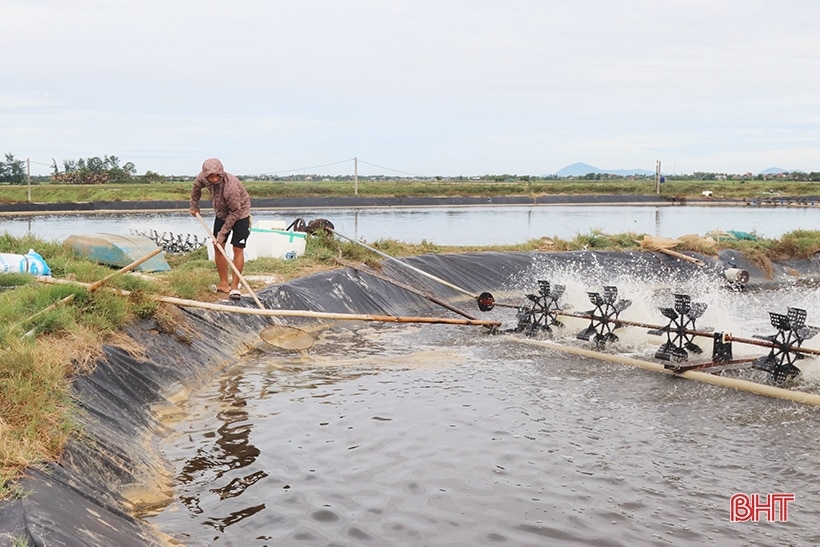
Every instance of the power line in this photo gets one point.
(306, 168)
(344, 161)
(389, 169)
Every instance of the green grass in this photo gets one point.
(729, 189)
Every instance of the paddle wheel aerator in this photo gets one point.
(541, 313)
(604, 318)
(679, 336)
(792, 331)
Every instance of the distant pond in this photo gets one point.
(463, 225)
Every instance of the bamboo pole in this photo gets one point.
(726, 336)
(409, 288)
(734, 383)
(663, 245)
(408, 266)
(294, 339)
(682, 256)
(291, 313)
(91, 287)
(97, 284)
(224, 254)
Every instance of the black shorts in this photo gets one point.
(240, 232)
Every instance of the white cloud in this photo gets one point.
(424, 86)
(13, 102)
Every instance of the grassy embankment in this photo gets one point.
(55, 193)
(35, 407)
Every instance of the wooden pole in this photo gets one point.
(409, 288)
(299, 343)
(224, 253)
(727, 337)
(97, 284)
(406, 265)
(290, 313)
(92, 286)
(658, 177)
(682, 256)
(734, 383)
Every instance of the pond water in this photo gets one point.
(443, 435)
(497, 225)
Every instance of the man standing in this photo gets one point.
(232, 205)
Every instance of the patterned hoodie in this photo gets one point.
(230, 198)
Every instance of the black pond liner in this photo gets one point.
(79, 500)
(334, 202)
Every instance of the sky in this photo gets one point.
(413, 87)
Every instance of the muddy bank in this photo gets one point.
(112, 468)
(336, 202)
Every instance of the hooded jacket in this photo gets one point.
(230, 199)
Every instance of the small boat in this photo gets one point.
(117, 250)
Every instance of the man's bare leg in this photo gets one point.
(239, 262)
(222, 270)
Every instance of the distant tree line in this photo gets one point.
(94, 170)
(107, 169)
(12, 170)
(793, 176)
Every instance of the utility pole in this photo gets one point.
(356, 176)
(28, 178)
(658, 177)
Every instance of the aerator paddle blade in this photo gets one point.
(670, 352)
(285, 337)
(486, 301)
(587, 333)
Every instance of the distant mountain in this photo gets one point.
(580, 169)
(577, 170)
(774, 171)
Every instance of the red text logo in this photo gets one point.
(771, 508)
